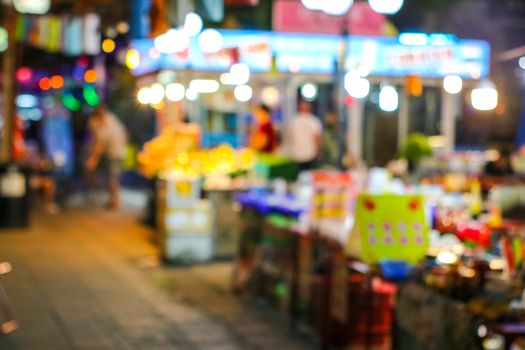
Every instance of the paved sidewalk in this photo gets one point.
(88, 279)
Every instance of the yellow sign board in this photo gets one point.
(390, 227)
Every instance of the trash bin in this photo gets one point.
(14, 196)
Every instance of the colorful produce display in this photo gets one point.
(178, 153)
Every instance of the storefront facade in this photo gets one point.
(287, 61)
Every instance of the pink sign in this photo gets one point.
(292, 16)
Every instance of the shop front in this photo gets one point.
(428, 79)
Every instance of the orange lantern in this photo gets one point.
(414, 85)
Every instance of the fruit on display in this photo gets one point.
(177, 153)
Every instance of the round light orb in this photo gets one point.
(521, 62)
(453, 84)
(270, 96)
(26, 101)
(24, 74)
(240, 73)
(482, 331)
(108, 45)
(3, 39)
(33, 7)
(387, 7)
(153, 53)
(143, 95)
(210, 41)
(191, 95)
(122, 27)
(156, 93)
(485, 96)
(132, 59)
(192, 24)
(313, 4)
(388, 98)
(166, 77)
(204, 86)
(227, 79)
(175, 92)
(309, 91)
(337, 7)
(111, 32)
(355, 85)
(173, 41)
(243, 93)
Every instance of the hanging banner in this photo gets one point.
(91, 37)
(390, 227)
(140, 18)
(72, 36)
(55, 33)
(158, 18)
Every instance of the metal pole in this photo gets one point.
(9, 66)
(449, 104)
(404, 117)
(339, 85)
(355, 120)
(290, 107)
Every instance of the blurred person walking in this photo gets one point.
(304, 132)
(107, 151)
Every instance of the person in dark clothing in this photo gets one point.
(501, 166)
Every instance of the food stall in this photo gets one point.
(412, 256)
(332, 248)
(388, 81)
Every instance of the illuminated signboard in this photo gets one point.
(469, 59)
(315, 53)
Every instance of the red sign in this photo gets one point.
(292, 16)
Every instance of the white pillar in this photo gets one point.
(449, 109)
(355, 116)
(290, 100)
(289, 103)
(404, 117)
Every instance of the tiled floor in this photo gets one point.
(88, 279)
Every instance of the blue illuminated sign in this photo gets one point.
(442, 54)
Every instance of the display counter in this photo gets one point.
(184, 222)
(225, 229)
(399, 279)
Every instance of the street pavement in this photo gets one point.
(90, 279)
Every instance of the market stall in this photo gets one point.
(447, 253)
(334, 249)
(387, 83)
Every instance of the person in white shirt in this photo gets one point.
(304, 136)
(107, 150)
